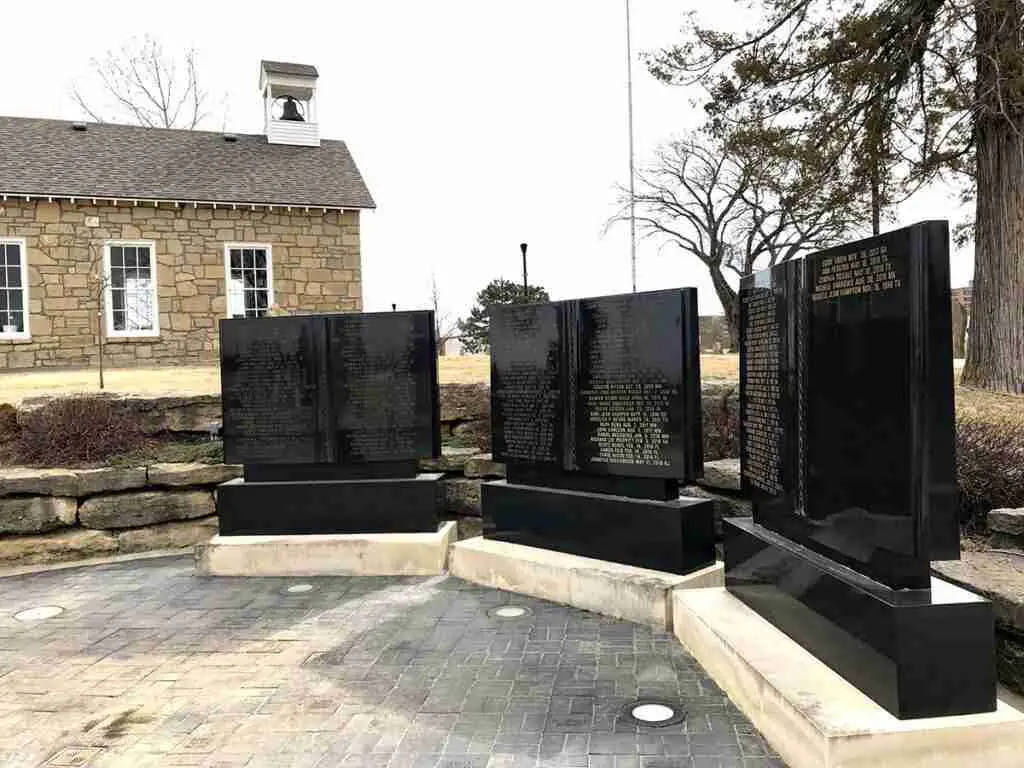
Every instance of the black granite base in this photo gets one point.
(917, 653)
(389, 505)
(676, 536)
(659, 488)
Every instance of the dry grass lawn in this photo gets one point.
(470, 369)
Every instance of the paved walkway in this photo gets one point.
(151, 666)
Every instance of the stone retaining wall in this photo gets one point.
(60, 514)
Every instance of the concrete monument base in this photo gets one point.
(343, 554)
(810, 715)
(612, 589)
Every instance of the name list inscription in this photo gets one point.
(762, 429)
(378, 390)
(852, 274)
(528, 396)
(626, 404)
(271, 401)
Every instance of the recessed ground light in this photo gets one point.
(296, 589)
(509, 612)
(40, 613)
(656, 713)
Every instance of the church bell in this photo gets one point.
(290, 110)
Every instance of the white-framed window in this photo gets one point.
(13, 289)
(129, 268)
(249, 276)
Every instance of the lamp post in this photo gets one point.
(522, 247)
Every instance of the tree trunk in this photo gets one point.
(730, 305)
(995, 347)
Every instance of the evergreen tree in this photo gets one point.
(474, 329)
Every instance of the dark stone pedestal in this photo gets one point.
(917, 653)
(676, 536)
(375, 505)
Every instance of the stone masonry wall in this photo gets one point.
(315, 260)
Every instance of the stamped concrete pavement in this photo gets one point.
(150, 665)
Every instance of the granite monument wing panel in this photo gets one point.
(630, 410)
(275, 409)
(846, 403)
(383, 385)
(527, 384)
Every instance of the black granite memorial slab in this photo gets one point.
(329, 415)
(846, 393)
(676, 536)
(916, 652)
(595, 410)
(847, 453)
(330, 389)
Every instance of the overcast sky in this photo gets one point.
(477, 124)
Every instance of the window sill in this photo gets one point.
(128, 339)
(15, 339)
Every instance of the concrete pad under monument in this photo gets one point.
(343, 554)
(612, 589)
(813, 717)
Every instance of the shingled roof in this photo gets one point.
(287, 68)
(50, 158)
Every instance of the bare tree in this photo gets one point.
(737, 211)
(147, 86)
(445, 328)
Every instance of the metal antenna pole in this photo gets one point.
(632, 173)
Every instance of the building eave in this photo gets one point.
(178, 203)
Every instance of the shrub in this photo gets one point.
(73, 431)
(990, 466)
(8, 422)
(721, 421)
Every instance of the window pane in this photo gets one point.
(3, 276)
(117, 300)
(250, 304)
(261, 301)
(129, 257)
(236, 297)
(14, 300)
(247, 258)
(118, 319)
(261, 278)
(13, 277)
(143, 258)
(116, 256)
(117, 278)
(236, 259)
(13, 251)
(261, 259)
(250, 281)
(3, 301)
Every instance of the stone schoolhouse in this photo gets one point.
(150, 236)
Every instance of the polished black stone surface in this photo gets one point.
(605, 386)
(263, 473)
(917, 653)
(351, 389)
(660, 488)
(676, 536)
(383, 505)
(846, 392)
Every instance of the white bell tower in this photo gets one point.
(289, 103)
